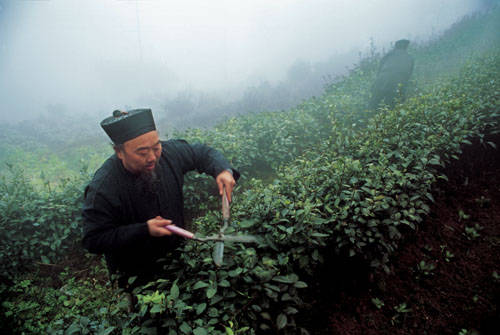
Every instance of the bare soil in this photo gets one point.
(460, 292)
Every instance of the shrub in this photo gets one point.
(37, 225)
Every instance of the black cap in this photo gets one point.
(124, 126)
(402, 44)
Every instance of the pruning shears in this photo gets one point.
(219, 238)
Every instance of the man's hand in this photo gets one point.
(157, 226)
(226, 181)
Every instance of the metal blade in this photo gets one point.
(218, 254)
(240, 238)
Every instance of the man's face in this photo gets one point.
(141, 154)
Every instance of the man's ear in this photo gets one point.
(119, 150)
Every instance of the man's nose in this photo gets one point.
(151, 156)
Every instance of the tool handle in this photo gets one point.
(225, 206)
(179, 231)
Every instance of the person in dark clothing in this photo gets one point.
(137, 192)
(393, 75)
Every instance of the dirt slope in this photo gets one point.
(458, 286)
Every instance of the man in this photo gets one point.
(394, 73)
(137, 192)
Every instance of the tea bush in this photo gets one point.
(257, 145)
(37, 225)
(357, 193)
(333, 176)
(84, 306)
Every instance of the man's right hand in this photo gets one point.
(156, 226)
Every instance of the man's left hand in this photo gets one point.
(225, 181)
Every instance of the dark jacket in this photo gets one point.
(394, 73)
(116, 206)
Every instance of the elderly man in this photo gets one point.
(393, 75)
(137, 192)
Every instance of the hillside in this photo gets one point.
(369, 222)
(444, 279)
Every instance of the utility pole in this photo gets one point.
(138, 29)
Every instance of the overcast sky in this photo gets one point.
(96, 55)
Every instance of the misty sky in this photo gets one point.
(93, 56)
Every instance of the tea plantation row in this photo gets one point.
(331, 177)
(358, 193)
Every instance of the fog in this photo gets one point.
(93, 56)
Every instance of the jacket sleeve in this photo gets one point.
(199, 157)
(101, 231)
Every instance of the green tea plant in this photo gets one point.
(425, 269)
(402, 310)
(79, 306)
(37, 225)
(325, 177)
(447, 254)
(378, 303)
(358, 193)
(472, 232)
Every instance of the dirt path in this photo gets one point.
(445, 279)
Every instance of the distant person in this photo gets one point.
(393, 75)
(137, 192)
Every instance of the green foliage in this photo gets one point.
(78, 306)
(327, 176)
(37, 226)
(38, 164)
(464, 331)
(472, 232)
(401, 312)
(448, 255)
(257, 145)
(378, 303)
(358, 193)
(462, 216)
(425, 269)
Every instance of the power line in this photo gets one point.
(138, 29)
